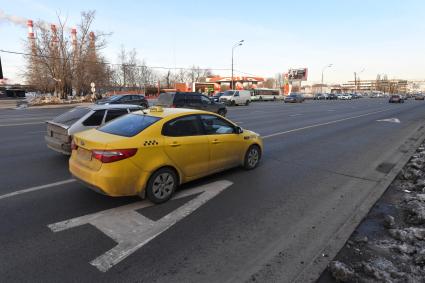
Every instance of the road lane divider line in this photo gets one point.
(323, 124)
(22, 124)
(37, 188)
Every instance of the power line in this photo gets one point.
(116, 64)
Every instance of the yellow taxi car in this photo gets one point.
(151, 152)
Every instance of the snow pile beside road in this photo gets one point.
(34, 99)
(393, 233)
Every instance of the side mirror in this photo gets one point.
(238, 130)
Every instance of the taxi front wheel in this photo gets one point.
(161, 185)
(252, 157)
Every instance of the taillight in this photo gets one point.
(108, 156)
(74, 146)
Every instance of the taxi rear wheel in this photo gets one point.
(161, 185)
(252, 157)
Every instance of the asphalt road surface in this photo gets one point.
(321, 160)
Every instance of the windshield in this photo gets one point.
(229, 93)
(128, 125)
(72, 116)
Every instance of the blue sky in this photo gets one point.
(378, 36)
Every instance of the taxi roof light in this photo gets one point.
(156, 109)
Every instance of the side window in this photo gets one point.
(95, 119)
(205, 100)
(125, 99)
(184, 126)
(179, 100)
(115, 113)
(135, 97)
(193, 99)
(236, 93)
(214, 125)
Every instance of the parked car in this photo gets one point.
(61, 129)
(294, 98)
(135, 99)
(236, 97)
(396, 99)
(192, 100)
(419, 97)
(321, 96)
(150, 154)
(345, 96)
(332, 96)
(216, 97)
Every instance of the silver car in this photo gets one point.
(61, 129)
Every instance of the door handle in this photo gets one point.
(215, 142)
(175, 144)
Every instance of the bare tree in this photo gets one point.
(61, 64)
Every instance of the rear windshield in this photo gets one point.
(165, 99)
(72, 116)
(128, 125)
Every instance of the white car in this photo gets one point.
(61, 129)
(345, 96)
(236, 97)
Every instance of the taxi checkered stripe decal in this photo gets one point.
(148, 143)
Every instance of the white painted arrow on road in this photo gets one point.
(391, 120)
(131, 230)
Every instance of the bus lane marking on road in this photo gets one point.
(131, 230)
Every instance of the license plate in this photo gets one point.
(84, 154)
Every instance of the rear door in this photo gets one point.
(193, 101)
(186, 145)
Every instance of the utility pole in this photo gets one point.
(239, 43)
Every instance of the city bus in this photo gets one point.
(265, 94)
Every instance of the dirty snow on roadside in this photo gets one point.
(389, 244)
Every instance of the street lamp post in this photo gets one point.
(324, 68)
(239, 43)
(355, 79)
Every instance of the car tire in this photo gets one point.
(247, 103)
(221, 112)
(161, 185)
(232, 103)
(252, 157)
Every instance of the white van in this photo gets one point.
(236, 97)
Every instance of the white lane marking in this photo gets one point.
(391, 120)
(238, 123)
(323, 124)
(37, 188)
(131, 230)
(331, 110)
(22, 124)
(294, 115)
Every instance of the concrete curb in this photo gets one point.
(317, 265)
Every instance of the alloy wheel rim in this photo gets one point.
(253, 157)
(163, 185)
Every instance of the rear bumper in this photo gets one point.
(57, 145)
(110, 179)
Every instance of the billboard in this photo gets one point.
(297, 74)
